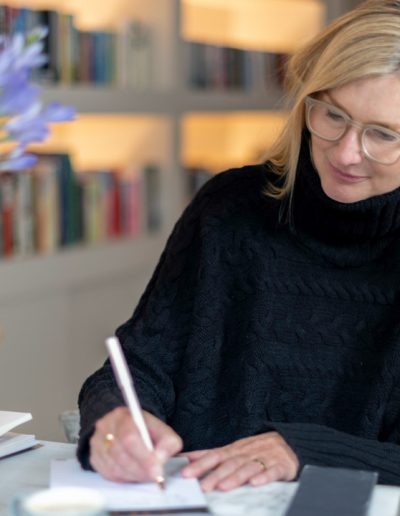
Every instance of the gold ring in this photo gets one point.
(261, 463)
(108, 439)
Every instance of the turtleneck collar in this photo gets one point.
(345, 233)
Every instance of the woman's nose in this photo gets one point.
(348, 149)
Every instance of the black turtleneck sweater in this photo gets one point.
(251, 324)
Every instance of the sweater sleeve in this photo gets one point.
(323, 446)
(154, 338)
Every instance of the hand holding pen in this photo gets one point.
(129, 444)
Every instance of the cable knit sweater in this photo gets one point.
(251, 324)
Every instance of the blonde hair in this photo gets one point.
(361, 43)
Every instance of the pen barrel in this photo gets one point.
(133, 405)
(125, 382)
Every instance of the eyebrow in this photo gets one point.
(337, 104)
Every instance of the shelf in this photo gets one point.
(97, 99)
(89, 99)
(223, 101)
(76, 266)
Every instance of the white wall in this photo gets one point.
(54, 331)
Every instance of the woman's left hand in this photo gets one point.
(256, 460)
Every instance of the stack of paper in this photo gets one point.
(11, 442)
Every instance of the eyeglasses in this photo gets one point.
(330, 123)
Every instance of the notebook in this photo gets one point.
(11, 442)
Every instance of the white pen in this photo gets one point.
(125, 383)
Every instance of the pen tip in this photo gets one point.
(161, 482)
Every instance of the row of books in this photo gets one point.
(121, 58)
(50, 206)
(213, 67)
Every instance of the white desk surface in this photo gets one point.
(29, 471)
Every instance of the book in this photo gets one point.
(23, 224)
(152, 197)
(11, 442)
(7, 192)
(134, 55)
(46, 203)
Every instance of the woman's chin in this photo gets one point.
(345, 194)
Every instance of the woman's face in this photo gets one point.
(346, 174)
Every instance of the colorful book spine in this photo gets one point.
(152, 197)
(7, 212)
(46, 204)
(131, 206)
(113, 221)
(23, 222)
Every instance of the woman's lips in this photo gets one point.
(347, 178)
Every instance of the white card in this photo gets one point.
(180, 493)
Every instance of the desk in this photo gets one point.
(29, 471)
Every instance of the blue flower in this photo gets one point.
(16, 163)
(23, 117)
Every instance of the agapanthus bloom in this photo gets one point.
(23, 117)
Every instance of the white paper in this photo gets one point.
(11, 442)
(9, 420)
(180, 493)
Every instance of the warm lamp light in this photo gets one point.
(269, 25)
(218, 141)
(110, 141)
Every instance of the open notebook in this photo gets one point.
(11, 442)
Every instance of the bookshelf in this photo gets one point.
(56, 310)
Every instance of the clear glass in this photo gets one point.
(331, 123)
(70, 422)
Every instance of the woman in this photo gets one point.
(269, 335)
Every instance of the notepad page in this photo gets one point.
(180, 493)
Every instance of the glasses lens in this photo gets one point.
(330, 123)
(325, 121)
(381, 145)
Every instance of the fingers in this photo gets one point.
(113, 464)
(125, 457)
(256, 460)
(204, 462)
(166, 442)
(194, 455)
(271, 474)
(231, 474)
(118, 453)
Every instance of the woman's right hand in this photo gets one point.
(118, 453)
